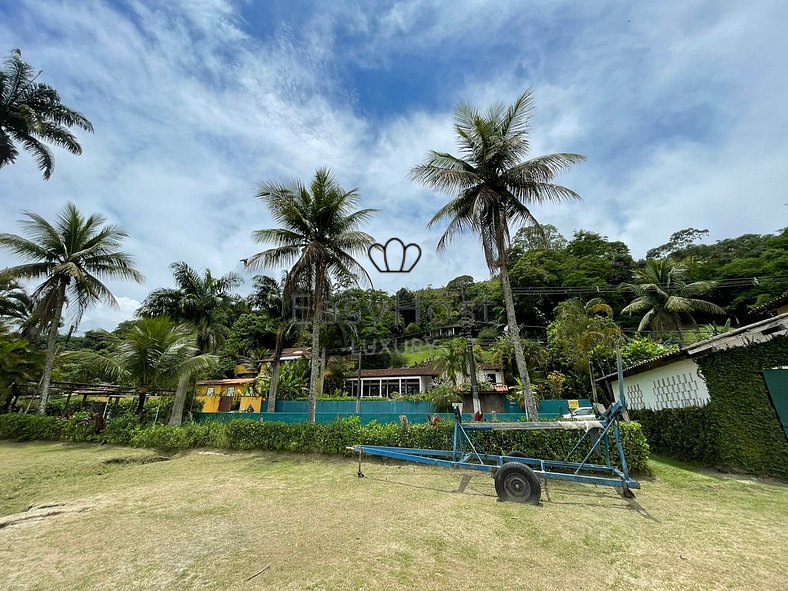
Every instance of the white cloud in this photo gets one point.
(678, 108)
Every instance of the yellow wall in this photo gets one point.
(211, 403)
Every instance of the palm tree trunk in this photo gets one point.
(514, 335)
(322, 378)
(51, 346)
(280, 335)
(176, 415)
(143, 394)
(317, 310)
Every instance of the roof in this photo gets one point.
(756, 332)
(489, 366)
(770, 305)
(226, 382)
(400, 372)
(291, 353)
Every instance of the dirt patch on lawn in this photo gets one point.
(41, 512)
(137, 460)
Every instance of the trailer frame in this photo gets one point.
(467, 454)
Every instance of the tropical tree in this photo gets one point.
(494, 187)
(14, 301)
(665, 298)
(201, 300)
(32, 115)
(318, 237)
(153, 354)
(73, 256)
(585, 332)
(19, 363)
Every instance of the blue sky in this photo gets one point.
(679, 107)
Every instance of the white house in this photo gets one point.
(675, 380)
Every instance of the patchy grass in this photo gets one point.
(211, 520)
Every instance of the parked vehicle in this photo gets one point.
(584, 413)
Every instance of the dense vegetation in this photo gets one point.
(332, 438)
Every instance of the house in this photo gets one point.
(222, 395)
(291, 354)
(384, 383)
(493, 373)
(675, 380)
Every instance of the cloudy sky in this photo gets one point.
(680, 108)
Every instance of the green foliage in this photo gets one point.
(643, 348)
(29, 427)
(293, 379)
(442, 396)
(32, 115)
(738, 429)
(332, 438)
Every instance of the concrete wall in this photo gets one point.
(676, 385)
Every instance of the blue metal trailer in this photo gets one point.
(517, 476)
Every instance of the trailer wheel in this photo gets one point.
(517, 482)
(517, 454)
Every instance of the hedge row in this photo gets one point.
(333, 438)
(738, 429)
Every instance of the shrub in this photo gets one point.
(442, 396)
(332, 438)
(29, 427)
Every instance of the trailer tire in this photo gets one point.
(517, 454)
(517, 482)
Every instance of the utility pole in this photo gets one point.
(358, 382)
(477, 405)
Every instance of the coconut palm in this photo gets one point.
(153, 354)
(494, 187)
(32, 115)
(318, 237)
(73, 256)
(201, 300)
(14, 301)
(666, 299)
(19, 363)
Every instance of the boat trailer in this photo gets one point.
(517, 477)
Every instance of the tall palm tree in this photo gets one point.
(32, 115)
(154, 353)
(201, 300)
(494, 187)
(666, 299)
(318, 236)
(73, 256)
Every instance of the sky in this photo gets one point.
(679, 107)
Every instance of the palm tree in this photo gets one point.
(154, 353)
(665, 298)
(73, 256)
(201, 300)
(14, 301)
(19, 362)
(585, 332)
(31, 113)
(494, 187)
(319, 235)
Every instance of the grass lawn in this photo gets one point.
(110, 518)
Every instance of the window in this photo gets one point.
(231, 391)
(491, 378)
(411, 385)
(209, 391)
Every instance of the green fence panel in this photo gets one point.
(777, 384)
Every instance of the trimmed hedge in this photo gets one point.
(333, 438)
(738, 429)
